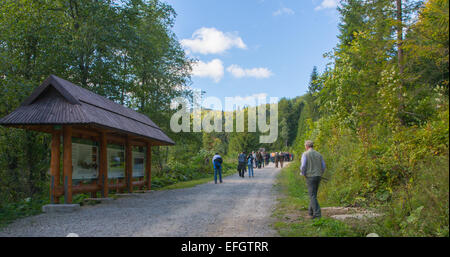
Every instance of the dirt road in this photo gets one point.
(237, 207)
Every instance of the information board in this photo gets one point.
(84, 159)
(138, 162)
(116, 161)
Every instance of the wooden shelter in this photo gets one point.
(109, 138)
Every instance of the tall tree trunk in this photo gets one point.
(400, 55)
(400, 35)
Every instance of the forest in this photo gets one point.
(379, 112)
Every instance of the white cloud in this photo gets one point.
(283, 10)
(239, 72)
(213, 69)
(327, 4)
(212, 41)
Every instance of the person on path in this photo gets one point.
(258, 160)
(255, 159)
(277, 159)
(263, 159)
(250, 161)
(312, 167)
(281, 158)
(217, 162)
(242, 160)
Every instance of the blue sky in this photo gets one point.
(255, 47)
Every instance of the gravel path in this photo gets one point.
(237, 207)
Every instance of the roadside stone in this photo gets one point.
(343, 213)
(358, 216)
(60, 208)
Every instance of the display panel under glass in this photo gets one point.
(138, 162)
(84, 159)
(116, 161)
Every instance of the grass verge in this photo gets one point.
(195, 182)
(291, 211)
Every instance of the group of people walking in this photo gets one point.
(255, 159)
(280, 157)
(312, 167)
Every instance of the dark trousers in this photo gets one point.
(313, 187)
(218, 169)
(241, 169)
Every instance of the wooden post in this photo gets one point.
(129, 165)
(67, 164)
(103, 169)
(148, 167)
(142, 185)
(55, 166)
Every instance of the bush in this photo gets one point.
(403, 171)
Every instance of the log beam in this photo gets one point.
(67, 163)
(103, 169)
(148, 167)
(129, 164)
(55, 166)
(89, 188)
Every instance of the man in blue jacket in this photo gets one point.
(217, 162)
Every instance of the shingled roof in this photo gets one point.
(59, 102)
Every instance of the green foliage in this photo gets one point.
(427, 45)
(324, 227)
(384, 133)
(200, 166)
(381, 125)
(227, 169)
(294, 202)
(22, 208)
(242, 141)
(123, 50)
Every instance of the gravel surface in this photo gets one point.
(237, 207)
